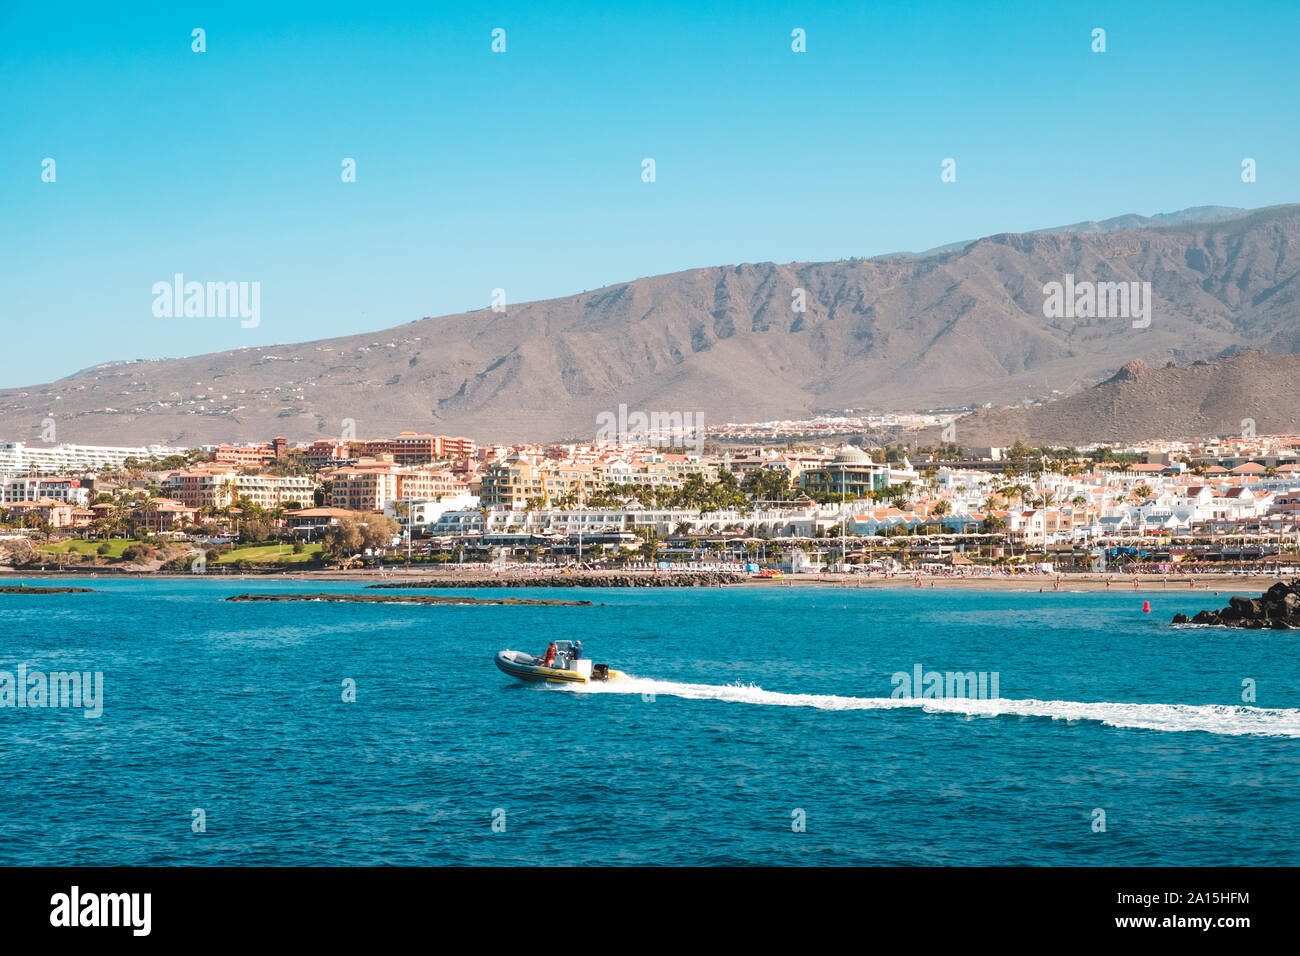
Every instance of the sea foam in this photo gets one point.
(1224, 719)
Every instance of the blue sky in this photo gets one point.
(522, 170)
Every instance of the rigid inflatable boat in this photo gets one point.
(564, 670)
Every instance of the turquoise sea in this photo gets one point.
(758, 728)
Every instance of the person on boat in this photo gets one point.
(549, 659)
(577, 651)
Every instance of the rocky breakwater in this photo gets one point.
(577, 579)
(404, 599)
(24, 589)
(1277, 608)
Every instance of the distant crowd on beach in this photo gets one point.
(1178, 571)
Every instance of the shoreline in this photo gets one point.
(547, 578)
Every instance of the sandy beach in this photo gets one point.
(1083, 581)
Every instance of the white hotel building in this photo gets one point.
(19, 458)
(70, 490)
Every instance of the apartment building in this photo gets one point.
(414, 448)
(19, 458)
(163, 514)
(362, 487)
(411, 448)
(426, 512)
(310, 521)
(245, 456)
(56, 514)
(370, 485)
(211, 485)
(664, 471)
(276, 491)
(511, 483)
(424, 484)
(72, 490)
(202, 486)
(328, 453)
(1286, 503)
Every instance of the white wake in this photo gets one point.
(1210, 718)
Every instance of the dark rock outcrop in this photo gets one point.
(24, 589)
(1277, 608)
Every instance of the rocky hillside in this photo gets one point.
(961, 326)
(1251, 389)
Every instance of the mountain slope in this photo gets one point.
(1250, 390)
(951, 329)
(1131, 221)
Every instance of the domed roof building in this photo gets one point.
(851, 455)
(850, 473)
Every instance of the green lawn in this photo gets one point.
(270, 552)
(80, 546)
(259, 553)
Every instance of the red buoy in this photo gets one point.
(1146, 607)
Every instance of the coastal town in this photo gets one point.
(798, 509)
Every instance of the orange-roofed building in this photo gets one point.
(56, 514)
(164, 514)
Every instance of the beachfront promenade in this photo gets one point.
(716, 575)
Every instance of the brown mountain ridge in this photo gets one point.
(1249, 393)
(958, 327)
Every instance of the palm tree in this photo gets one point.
(649, 543)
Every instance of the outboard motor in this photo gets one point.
(600, 672)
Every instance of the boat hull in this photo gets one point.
(531, 670)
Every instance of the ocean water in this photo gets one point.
(758, 728)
